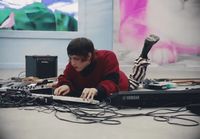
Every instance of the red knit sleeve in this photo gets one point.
(65, 78)
(110, 82)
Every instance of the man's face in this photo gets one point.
(78, 62)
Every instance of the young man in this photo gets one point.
(95, 74)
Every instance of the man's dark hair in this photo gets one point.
(80, 47)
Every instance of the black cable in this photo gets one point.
(89, 114)
(97, 115)
(180, 116)
(66, 109)
(163, 117)
(39, 108)
(18, 76)
(168, 119)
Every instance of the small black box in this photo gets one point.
(41, 66)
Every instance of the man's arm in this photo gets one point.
(110, 82)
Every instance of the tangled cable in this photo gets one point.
(90, 114)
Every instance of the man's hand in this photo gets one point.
(89, 93)
(32, 79)
(52, 85)
(62, 90)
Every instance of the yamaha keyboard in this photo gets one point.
(155, 98)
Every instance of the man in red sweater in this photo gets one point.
(95, 74)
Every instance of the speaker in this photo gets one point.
(41, 66)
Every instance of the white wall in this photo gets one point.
(96, 23)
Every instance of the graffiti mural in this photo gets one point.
(176, 22)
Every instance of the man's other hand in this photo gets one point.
(62, 90)
(89, 93)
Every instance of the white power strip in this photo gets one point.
(75, 99)
(69, 99)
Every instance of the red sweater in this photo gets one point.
(103, 74)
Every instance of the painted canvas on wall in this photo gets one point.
(176, 22)
(45, 15)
